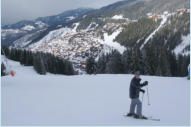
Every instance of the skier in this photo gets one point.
(135, 88)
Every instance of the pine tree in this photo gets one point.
(90, 65)
(39, 64)
(173, 63)
(151, 60)
(115, 65)
(101, 64)
(125, 61)
(68, 68)
(165, 68)
(3, 68)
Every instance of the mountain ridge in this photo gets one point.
(100, 31)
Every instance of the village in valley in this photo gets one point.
(77, 45)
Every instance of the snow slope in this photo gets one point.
(185, 42)
(109, 40)
(117, 17)
(31, 99)
(28, 28)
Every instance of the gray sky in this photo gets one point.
(16, 10)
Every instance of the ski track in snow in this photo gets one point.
(164, 19)
(32, 99)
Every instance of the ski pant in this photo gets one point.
(136, 102)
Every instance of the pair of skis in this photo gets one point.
(148, 118)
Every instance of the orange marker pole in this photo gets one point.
(12, 74)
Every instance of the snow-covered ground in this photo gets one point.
(117, 17)
(109, 40)
(31, 99)
(28, 28)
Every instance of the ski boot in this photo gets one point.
(130, 115)
(140, 117)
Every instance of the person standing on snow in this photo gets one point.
(135, 89)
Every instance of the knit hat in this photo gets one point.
(137, 73)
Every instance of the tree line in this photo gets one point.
(151, 61)
(42, 62)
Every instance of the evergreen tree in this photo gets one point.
(101, 64)
(165, 68)
(115, 65)
(3, 68)
(173, 63)
(23, 57)
(126, 61)
(39, 64)
(151, 60)
(68, 68)
(90, 65)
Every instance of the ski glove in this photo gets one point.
(145, 83)
(142, 90)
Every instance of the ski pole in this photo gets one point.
(142, 98)
(148, 96)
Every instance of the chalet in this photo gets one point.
(180, 10)
(155, 16)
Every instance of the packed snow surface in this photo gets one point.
(31, 99)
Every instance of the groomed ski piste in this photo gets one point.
(50, 100)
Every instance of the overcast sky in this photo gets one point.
(16, 10)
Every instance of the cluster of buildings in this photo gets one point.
(166, 13)
(73, 46)
(115, 25)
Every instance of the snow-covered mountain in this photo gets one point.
(27, 30)
(76, 35)
(76, 45)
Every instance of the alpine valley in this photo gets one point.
(144, 30)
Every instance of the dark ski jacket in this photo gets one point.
(135, 88)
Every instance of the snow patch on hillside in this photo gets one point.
(92, 26)
(109, 40)
(40, 24)
(53, 34)
(28, 28)
(118, 17)
(9, 31)
(71, 18)
(76, 26)
(185, 42)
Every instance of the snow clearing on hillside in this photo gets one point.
(50, 100)
(109, 40)
(180, 48)
(164, 19)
